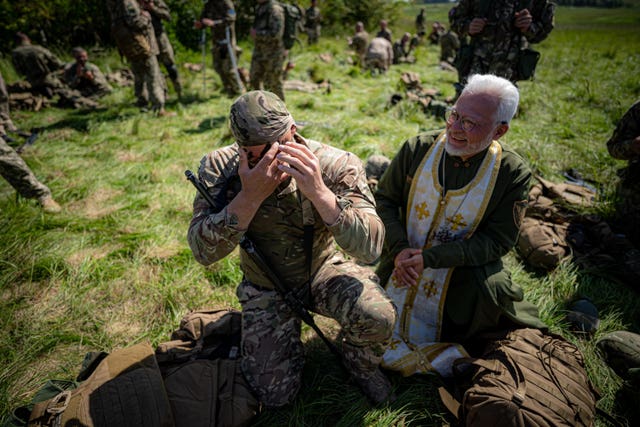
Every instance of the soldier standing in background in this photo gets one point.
(268, 55)
(159, 12)
(312, 19)
(220, 16)
(133, 32)
(421, 24)
(498, 32)
(84, 76)
(13, 168)
(359, 42)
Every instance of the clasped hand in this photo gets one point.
(408, 266)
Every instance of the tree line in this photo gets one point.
(67, 23)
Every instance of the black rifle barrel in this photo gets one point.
(288, 295)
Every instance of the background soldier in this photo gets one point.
(38, 65)
(498, 33)
(625, 145)
(13, 168)
(421, 23)
(133, 32)
(312, 18)
(379, 56)
(84, 76)
(385, 32)
(449, 45)
(402, 50)
(220, 15)
(159, 11)
(269, 53)
(359, 42)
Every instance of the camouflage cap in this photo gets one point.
(259, 117)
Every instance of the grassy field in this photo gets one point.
(114, 267)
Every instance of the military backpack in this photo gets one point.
(292, 19)
(526, 378)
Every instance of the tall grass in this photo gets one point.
(114, 268)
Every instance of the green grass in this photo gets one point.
(114, 268)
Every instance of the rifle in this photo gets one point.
(289, 296)
(203, 43)
(31, 139)
(232, 55)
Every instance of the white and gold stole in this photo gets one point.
(415, 346)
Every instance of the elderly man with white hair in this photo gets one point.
(451, 202)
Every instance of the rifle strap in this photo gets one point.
(308, 221)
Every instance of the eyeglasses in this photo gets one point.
(452, 116)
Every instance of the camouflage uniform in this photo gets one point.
(334, 286)
(496, 49)
(449, 45)
(385, 33)
(75, 76)
(159, 12)
(379, 56)
(6, 124)
(148, 80)
(421, 23)
(620, 147)
(40, 67)
(12, 167)
(223, 10)
(402, 50)
(359, 42)
(312, 20)
(268, 51)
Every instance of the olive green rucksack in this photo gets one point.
(527, 378)
(201, 370)
(543, 240)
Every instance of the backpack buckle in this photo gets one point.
(58, 404)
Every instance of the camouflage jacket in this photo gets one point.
(220, 10)
(97, 85)
(360, 41)
(500, 37)
(35, 62)
(619, 145)
(312, 17)
(277, 228)
(130, 14)
(159, 12)
(269, 25)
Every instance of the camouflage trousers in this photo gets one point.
(167, 58)
(313, 34)
(18, 174)
(266, 72)
(272, 352)
(223, 65)
(376, 63)
(149, 84)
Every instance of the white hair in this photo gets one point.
(506, 92)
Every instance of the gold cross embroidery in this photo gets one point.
(457, 221)
(393, 345)
(430, 288)
(422, 210)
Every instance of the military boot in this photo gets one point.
(377, 388)
(49, 205)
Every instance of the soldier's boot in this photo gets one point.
(49, 205)
(177, 86)
(364, 371)
(377, 388)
